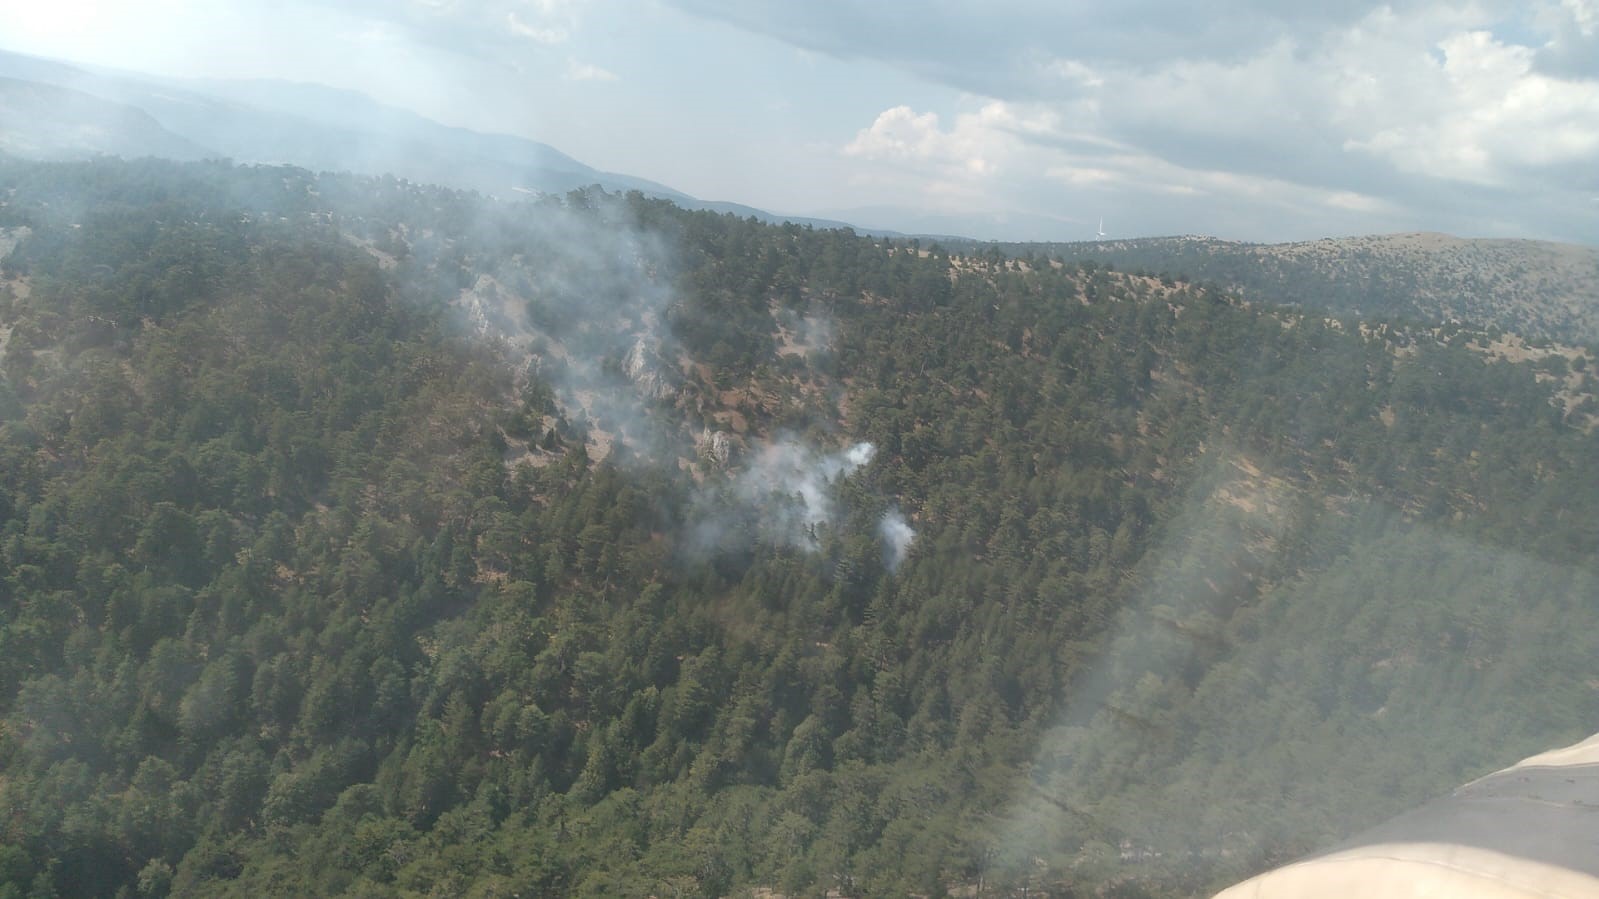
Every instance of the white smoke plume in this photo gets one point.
(579, 297)
(790, 488)
(785, 496)
(808, 335)
(897, 536)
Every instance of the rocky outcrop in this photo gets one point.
(715, 447)
(644, 368)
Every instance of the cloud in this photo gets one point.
(963, 165)
(1469, 115)
(542, 21)
(1492, 117)
(897, 132)
(582, 71)
(997, 136)
(499, 30)
(543, 34)
(998, 49)
(1247, 118)
(1573, 49)
(1013, 152)
(900, 134)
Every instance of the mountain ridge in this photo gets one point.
(45, 121)
(326, 128)
(1544, 289)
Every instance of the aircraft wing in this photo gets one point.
(1530, 830)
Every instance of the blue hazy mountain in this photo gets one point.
(303, 124)
(46, 121)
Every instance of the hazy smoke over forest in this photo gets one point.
(395, 508)
(786, 494)
(790, 484)
(897, 535)
(586, 308)
(581, 303)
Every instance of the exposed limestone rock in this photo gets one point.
(714, 446)
(644, 368)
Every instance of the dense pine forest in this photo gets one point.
(361, 537)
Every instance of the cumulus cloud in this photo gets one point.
(1471, 114)
(978, 143)
(1014, 152)
(900, 134)
(1492, 116)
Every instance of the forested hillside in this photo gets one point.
(372, 538)
(1540, 289)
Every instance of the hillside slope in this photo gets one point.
(370, 538)
(41, 121)
(1539, 289)
(301, 124)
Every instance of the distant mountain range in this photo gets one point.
(52, 110)
(45, 121)
(1538, 288)
(945, 227)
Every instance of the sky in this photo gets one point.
(1009, 119)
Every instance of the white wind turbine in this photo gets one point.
(1101, 227)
